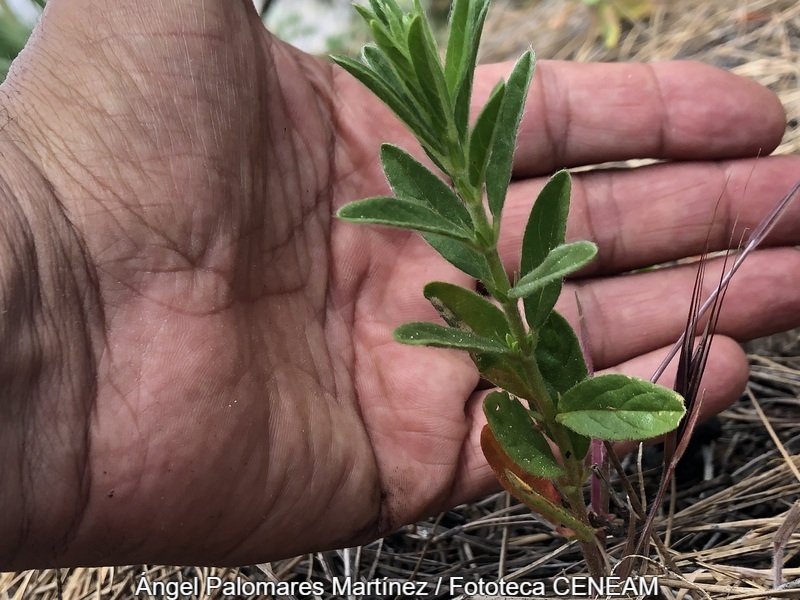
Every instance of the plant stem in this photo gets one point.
(594, 559)
(473, 201)
(572, 487)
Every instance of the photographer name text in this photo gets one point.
(560, 587)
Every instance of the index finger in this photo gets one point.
(581, 114)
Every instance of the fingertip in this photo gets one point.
(717, 113)
(583, 113)
(725, 377)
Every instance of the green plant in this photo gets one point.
(532, 355)
(14, 33)
(611, 13)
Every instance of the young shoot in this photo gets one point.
(545, 393)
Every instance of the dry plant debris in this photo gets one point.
(722, 532)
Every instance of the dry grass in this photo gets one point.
(722, 533)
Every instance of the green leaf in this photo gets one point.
(388, 14)
(429, 75)
(467, 311)
(434, 53)
(366, 14)
(375, 59)
(467, 59)
(562, 261)
(460, 254)
(436, 156)
(498, 172)
(404, 105)
(409, 178)
(439, 336)
(535, 499)
(559, 355)
(480, 140)
(517, 435)
(394, 10)
(503, 372)
(546, 230)
(405, 214)
(397, 55)
(580, 443)
(617, 408)
(460, 35)
(466, 25)
(401, 105)
(378, 11)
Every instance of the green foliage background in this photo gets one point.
(14, 32)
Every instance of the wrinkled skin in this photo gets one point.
(197, 364)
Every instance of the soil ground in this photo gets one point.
(723, 533)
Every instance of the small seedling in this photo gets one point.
(611, 13)
(545, 392)
(534, 358)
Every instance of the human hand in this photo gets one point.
(199, 365)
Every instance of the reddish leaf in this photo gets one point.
(501, 463)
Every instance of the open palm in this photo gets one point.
(204, 369)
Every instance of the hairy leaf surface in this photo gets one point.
(617, 408)
(515, 432)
